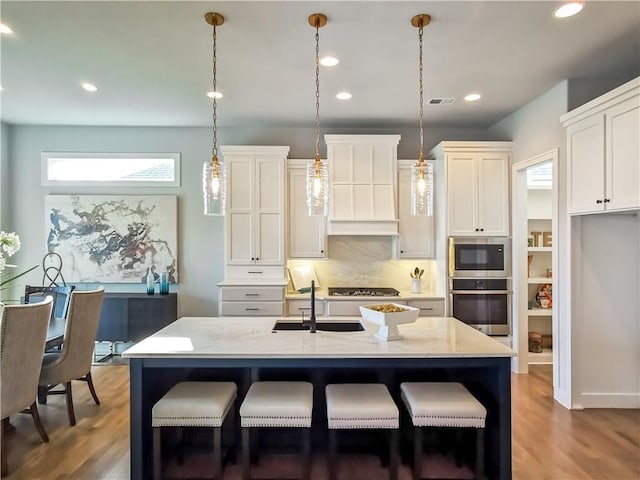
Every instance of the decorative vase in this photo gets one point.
(416, 285)
(163, 285)
(151, 282)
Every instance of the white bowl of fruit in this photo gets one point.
(388, 316)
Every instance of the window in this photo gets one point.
(111, 169)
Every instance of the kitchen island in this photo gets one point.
(216, 347)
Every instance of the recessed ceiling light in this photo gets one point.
(5, 29)
(329, 61)
(472, 97)
(568, 9)
(343, 96)
(89, 87)
(1, 88)
(214, 95)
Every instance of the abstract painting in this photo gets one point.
(113, 239)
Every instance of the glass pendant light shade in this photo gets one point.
(214, 187)
(318, 188)
(422, 189)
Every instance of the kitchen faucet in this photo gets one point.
(312, 318)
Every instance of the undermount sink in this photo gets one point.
(324, 326)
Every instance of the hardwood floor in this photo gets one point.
(549, 442)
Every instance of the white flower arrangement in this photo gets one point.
(9, 245)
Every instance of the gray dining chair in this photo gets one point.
(23, 335)
(73, 362)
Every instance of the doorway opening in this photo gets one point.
(535, 207)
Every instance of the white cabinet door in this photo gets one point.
(493, 194)
(269, 211)
(478, 193)
(306, 233)
(622, 164)
(240, 231)
(585, 167)
(415, 233)
(462, 194)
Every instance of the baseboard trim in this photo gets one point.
(609, 400)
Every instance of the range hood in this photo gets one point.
(363, 184)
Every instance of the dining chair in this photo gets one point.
(61, 297)
(23, 334)
(73, 362)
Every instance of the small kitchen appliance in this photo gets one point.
(479, 257)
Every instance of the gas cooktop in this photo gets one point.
(363, 292)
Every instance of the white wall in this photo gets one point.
(200, 238)
(4, 175)
(606, 312)
(535, 129)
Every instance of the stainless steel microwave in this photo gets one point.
(479, 257)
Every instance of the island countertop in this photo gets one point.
(252, 337)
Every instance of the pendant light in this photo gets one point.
(317, 171)
(421, 172)
(213, 171)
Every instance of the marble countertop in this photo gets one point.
(252, 337)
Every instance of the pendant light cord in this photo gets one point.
(317, 91)
(420, 67)
(214, 155)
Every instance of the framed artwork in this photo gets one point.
(113, 238)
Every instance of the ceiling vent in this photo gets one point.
(442, 101)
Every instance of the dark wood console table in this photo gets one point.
(130, 317)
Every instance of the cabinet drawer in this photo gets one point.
(297, 307)
(347, 308)
(256, 271)
(252, 309)
(428, 308)
(252, 293)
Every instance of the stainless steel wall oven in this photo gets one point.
(482, 303)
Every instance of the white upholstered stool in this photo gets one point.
(361, 406)
(443, 404)
(277, 405)
(193, 404)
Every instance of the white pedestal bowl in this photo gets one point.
(389, 321)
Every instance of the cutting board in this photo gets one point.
(301, 276)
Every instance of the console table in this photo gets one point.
(130, 317)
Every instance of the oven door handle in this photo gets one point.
(479, 292)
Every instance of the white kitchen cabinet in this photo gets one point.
(255, 234)
(477, 187)
(306, 234)
(415, 233)
(429, 307)
(603, 152)
(298, 308)
(251, 300)
(362, 179)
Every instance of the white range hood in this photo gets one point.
(363, 184)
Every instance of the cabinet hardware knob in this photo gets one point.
(252, 258)
(607, 200)
(401, 251)
(482, 229)
(321, 251)
(477, 229)
(598, 201)
(257, 258)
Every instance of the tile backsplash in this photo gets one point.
(367, 261)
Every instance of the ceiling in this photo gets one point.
(152, 61)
